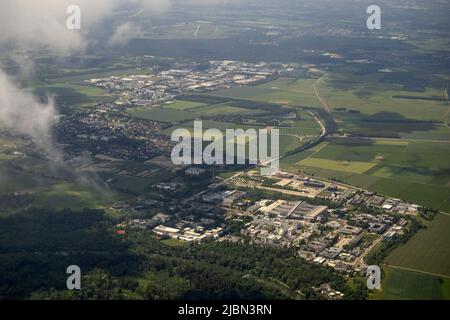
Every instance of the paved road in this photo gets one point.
(415, 270)
(360, 260)
(299, 137)
(393, 139)
(322, 100)
(289, 192)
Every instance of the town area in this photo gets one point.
(331, 224)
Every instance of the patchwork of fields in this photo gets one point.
(364, 93)
(287, 91)
(371, 98)
(62, 195)
(418, 172)
(72, 94)
(293, 133)
(64, 186)
(364, 105)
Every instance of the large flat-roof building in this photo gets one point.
(317, 214)
(166, 231)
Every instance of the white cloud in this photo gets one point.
(21, 113)
(43, 22)
(31, 24)
(124, 33)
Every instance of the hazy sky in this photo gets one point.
(32, 24)
(43, 22)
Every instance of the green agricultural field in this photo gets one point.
(375, 107)
(439, 132)
(223, 109)
(77, 77)
(415, 171)
(7, 156)
(293, 92)
(74, 196)
(288, 140)
(367, 95)
(428, 250)
(137, 184)
(162, 115)
(209, 124)
(401, 284)
(211, 109)
(247, 93)
(391, 125)
(371, 96)
(290, 163)
(345, 166)
(72, 94)
(190, 30)
(16, 181)
(306, 126)
(289, 143)
(22, 173)
(364, 105)
(285, 91)
(183, 105)
(7, 149)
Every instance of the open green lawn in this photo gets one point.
(408, 285)
(173, 243)
(428, 250)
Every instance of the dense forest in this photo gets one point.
(36, 247)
